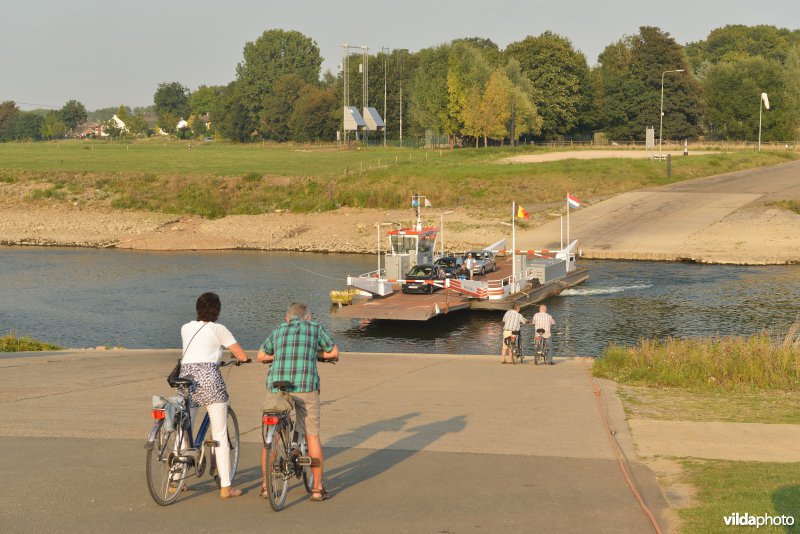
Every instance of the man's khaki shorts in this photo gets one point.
(307, 406)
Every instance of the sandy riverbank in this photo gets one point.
(727, 218)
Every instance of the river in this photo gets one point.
(134, 299)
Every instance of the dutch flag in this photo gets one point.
(573, 202)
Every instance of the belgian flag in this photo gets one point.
(520, 213)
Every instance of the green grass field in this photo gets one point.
(756, 488)
(217, 179)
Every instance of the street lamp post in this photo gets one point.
(441, 226)
(384, 51)
(661, 118)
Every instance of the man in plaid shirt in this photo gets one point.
(292, 349)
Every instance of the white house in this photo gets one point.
(118, 123)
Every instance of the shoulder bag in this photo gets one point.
(176, 372)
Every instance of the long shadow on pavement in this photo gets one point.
(379, 461)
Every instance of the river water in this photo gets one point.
(87, 297)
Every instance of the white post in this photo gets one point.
(514, 244)
(561, 234)
(379, 249)
(760, 107)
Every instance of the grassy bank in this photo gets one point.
(12, 343)
(725, 487)
(218, 179)
(763, 361)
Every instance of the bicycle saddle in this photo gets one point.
(283, 385)
(540, 330)
(178, 382)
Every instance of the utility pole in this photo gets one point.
(384, 94)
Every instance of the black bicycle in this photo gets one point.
(287, 450)
(173, 454)
(539, 347)
(513, 342)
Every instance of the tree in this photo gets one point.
(427, 89)
(26, 125)
(172, 103)
(8, 110)
(738, 41)
(72, 114)
(204, 99)
(233, 119)
(53, 127)
(136, 124)
(558, 74)
(467, 68)
(278, 106)
(315, 115)
(790, 96)
(275, 53)
(733, 91)
(631, 72)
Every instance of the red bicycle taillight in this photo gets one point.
(159, 414)
(270, 420)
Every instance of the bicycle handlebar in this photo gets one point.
(332, 361)
(235, 362)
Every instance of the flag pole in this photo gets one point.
(567, 217)
(514, 243)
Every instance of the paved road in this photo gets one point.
(414, 443)
(717, 218)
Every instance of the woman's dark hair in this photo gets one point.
(208, 307)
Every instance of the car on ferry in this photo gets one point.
(452, 266)
(484, 261)
(415, 280)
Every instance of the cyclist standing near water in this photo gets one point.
(544, 321)
(292, 349)
(512, 322)
(203, 341)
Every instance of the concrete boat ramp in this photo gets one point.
(413, 443)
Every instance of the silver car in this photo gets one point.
(484, 261)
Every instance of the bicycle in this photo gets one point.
(539, 347)
(513, 342)
(287, 451)
(168, 461)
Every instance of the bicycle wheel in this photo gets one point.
(539, 351)
(166, 475)
(308, 476)
(277, 464)
(233, 443)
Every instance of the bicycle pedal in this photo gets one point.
(305, 460)
(211, 443)
(190, 455)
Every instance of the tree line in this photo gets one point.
(536, 89)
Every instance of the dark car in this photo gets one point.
(484, 261)
(422, 272)
(452, 266)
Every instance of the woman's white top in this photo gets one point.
(207, 345)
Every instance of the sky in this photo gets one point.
(105, 53)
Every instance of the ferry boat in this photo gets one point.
(524, 277)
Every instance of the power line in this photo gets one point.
(37, 105)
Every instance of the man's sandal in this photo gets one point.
(264, 493)
(323, 495)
